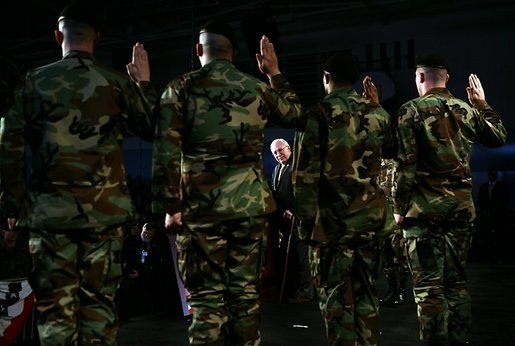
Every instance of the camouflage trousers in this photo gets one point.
(74, 277)
(220, 264)
(437, 256)
(393, 251)
(344, 278)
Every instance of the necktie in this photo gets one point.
(280, 174)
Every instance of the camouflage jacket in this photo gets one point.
(386, 177)
(72, 115)
(435, 136)
(209, 139)
(337, 191)
(386, 181)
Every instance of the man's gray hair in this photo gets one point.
(283, 141)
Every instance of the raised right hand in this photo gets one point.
(267, 60)
(138, 68)
(172, 221)
(475, 89)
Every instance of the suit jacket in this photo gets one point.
(282, 189)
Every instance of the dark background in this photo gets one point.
(384, 36)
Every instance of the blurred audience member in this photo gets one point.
(16, 297)
(492, 232)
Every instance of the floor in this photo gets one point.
(492, 286)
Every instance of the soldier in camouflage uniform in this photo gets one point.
(208, 178)
(71, 114)
(393, 254)
(340, 203)
(433, 195)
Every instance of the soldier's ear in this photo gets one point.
(199, 49)
(421, 77)
(327, 78)
(58, 37)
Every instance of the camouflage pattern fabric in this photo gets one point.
(209, 140)
(344, 278)
(386, 181)
(208, 165)
(437, 184)
(220, 264)
(441, 295)
(393, 244)
(76, 271)
(433, 190)
(339, 166)
(393, 251)
(72, 115)
(342, 208)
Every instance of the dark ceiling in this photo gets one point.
(26, 27)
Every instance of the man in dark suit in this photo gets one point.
(283, 194)
(493, 200)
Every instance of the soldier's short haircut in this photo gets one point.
(84, 12)
(215, 43)
(434, 74)
(432, 60)
(217, 26)
(342, 68)
(76, 32)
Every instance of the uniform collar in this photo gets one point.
(219, 62)
(438, 91)
(343, 91)
(78, 54)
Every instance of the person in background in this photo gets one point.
(493, 234)
(282, 226)
(208, 179)
(433, 194)
(73, 198)
(16, 296)
(128, 290)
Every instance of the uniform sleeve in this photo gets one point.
(12, 151)
(490, 130)
(309, 164)
(389, 149)
(167, 153)
(140, 102)
(406, 159)
(285, 108)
